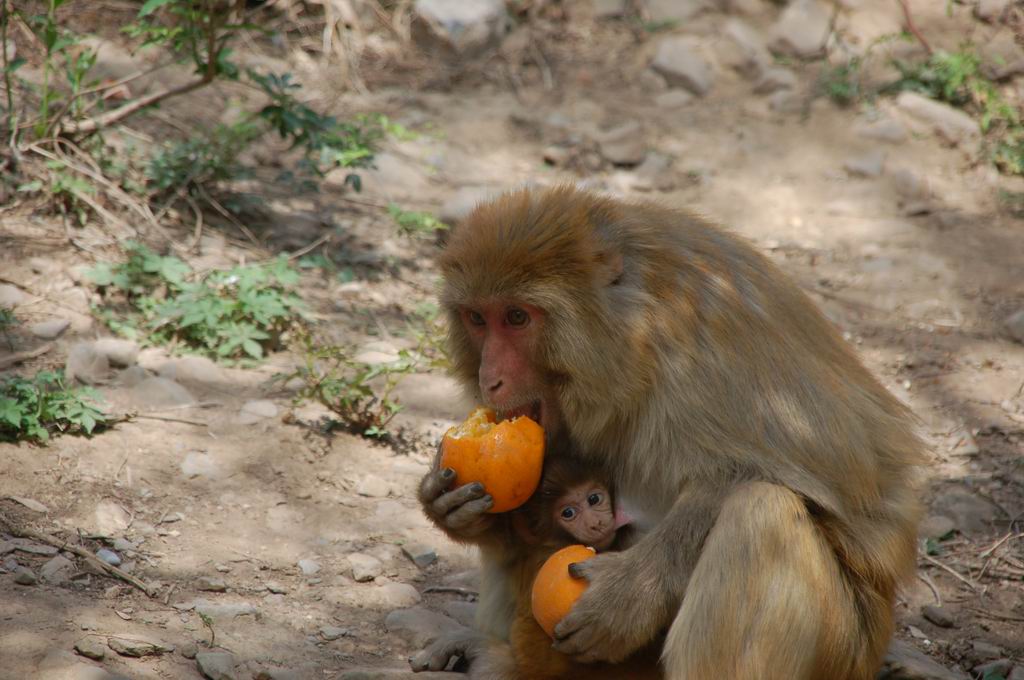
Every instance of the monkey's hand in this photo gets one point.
(622, 609)
(466, 644)
(461, 512)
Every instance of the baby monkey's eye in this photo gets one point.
(569, 513)
(594, 499)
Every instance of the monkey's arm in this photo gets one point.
(632, 595)
(488, 659)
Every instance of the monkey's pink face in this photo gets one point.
(507, 336)
(586, 513)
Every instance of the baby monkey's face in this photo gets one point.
(586, 513)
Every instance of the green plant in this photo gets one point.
(427, 327)
(34, 408)
(239, 313)
(66, 190)
(841, 83)
(207, 157)
(359, 394)
(7, 322)
(413, 223)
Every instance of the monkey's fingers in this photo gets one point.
(439, 653)
(435, 483)
(453, 500)
(472, 513)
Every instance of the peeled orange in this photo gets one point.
(505, 457)
(554, 590)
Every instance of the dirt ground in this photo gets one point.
(917, 261)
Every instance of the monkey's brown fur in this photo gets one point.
(725, 405)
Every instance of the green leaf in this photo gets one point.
(151, 6)
(11, 412)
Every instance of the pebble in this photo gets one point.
(985, 651)
(26, 546)
(50, 329)
(198, 464)
(394, 595)
(280, 674)
(308, 567)
(196, 369)
(609, 9)
(137, 646)
(992, 669)
(866, 165)
(256, 410)
(673, 99)
(802, 29)
(904, 662)
(678, 61)
(750, 56)
(909, 184)
(940, 616)
(674, 11)
(23, 576)
(936, 526)
(111, 519)
(333, 632)
(108, 556)
(971, 514)
(119, 352)
(30, 503)
(418, 626)
(991, 10)
(885, 130)
(1017, 673)
(950, 123)
(421, 555)
(373, 486)
(775, 79)
(157, 392)
(91, 648)
(86, 365)
(62, 665)
(57, 570)
(1015, 326)
(211, 584)
(455, 26)
(11, 296)
(275, 587)
(224, 610)
(365, 567)
(217, 665)
(188, 650)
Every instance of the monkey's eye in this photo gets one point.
(475, 317)
(594, 499)
(516, 317)
(568, 513)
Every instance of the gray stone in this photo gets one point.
(197, 464)
(952, 124)
(462, 202)
(674, 11)
(159, 392)
(679, 62)
(775, 79)
(985, 651)
(110, 518)
(802, 29)
(308, 567)
(421, 555)
(654, 173)
(30, 503)
(330, 633)
(217, 665)
(86, 365)
(904, 662)
(885, 130)
(971, 514)
(609, 9)
(256, 410)
(462, 611)
(365, 567)
(394, 595)
(373, 486)
(224, 610)
(138, 647)
(26, 546)
(418, 626)
(909, 185)
(58, 569)
(108, 556)
(1015, 326)
(749, 54)
(211, 584)
(193, 369)
(623, 144)
(673, 99)
(188, 650)
(61, 665)
(785, 101)
(283, 674)
(999, 667)
(1017, 673)
(119, 352)
(940, 616)
(51, 329)
(23, 576)
(91, 648)
(866, 165)
(936, 526)
(991, 10)
(275, 587)
(459, 27)
(11, 296)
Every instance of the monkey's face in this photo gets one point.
(506, 336)
(585, 512)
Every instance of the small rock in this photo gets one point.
(211, 584)
(418, 626)
(365, 567)
(394, 595)
(421, 555)
(373, 486)
(11, 296)
(188, 650)
(802, 29)
(138, 647)
(49, 330)
(909, 185)
(972, 514)
(867, 165)
(61, 665)
(281, 674)
(156, 392)
(750, 56)
(679, 62)
(308, 567)
(330, 633)
(119, 352)
(991, 10)
(191, 369)
(673, 99)
(198, 464)
(904, 662)
(58, 569)
(216, 665)
(458, 27)
(26, 546)
(256, 410)
(224, 610)
(952, 124)
(1017, 673)
(43, 265)
(999, 667)
(90, 648)
(23, 576)
(885, 130)
(936, 527)
(30, 503)
(108, 556)
(775, 79)
(111, 518)
(985, 651)
(672, 11)
(609, 9)
(1015, 326)
(86, 365)
(785, 101)
(275, 587)
(940, 616)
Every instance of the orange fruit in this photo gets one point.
(554, 590)
(505, 457)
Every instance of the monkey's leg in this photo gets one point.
(768, 599)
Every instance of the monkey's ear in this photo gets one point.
(610, 267)
(521, 527)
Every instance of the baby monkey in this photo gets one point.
(573, 504)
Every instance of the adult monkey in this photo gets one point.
(725, 407)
